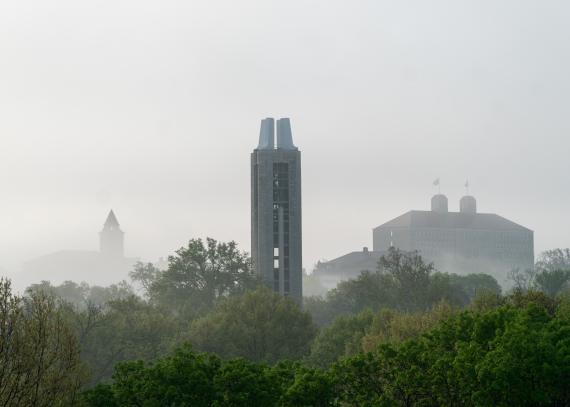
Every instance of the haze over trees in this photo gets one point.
(205, 332)
(509, 355)
(403, 282)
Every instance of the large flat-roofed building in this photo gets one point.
(460, 242)
(351, 265)
(276, 238)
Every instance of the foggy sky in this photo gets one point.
(153, 107)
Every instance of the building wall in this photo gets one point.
(463, 250)
(276, 219)
(349, 266)
(112, 243)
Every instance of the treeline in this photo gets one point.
(210, 307)
(514, 354)
(403, 282)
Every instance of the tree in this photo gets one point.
(145, 274)
(310, 388)
(523, 280)
(260, 326)
(242, 383)
(552, 282)
(39, 354)
(475, 284)
(124, 329)
(511, 355)
(372, 290)
(340, 339)
(389, 326)
(515, 354)
(411, 276)
(404, 282)
(184, 378)
(197, 276)
(81, 296)
(188, 378)
(555, 259)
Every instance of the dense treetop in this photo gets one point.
(205, 332)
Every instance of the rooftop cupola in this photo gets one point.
(439, 203)
(468, 204)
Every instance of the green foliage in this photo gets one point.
(39, 355)
(124, 329)
(310, 388)
(410, 276)
(507, 356)
(197, 276)
(349, 335)
(390, 326)
(515, 354)
(402, 282)
(243, 383)
(82, 296)
(183, 379)
(473, 285)
(187, 378)
(369, 290)
(259, 326)
(486, 301)
(342, 338)
(556, 259)
(552, 282)
(397, 338)
(521, 299)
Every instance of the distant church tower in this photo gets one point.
(111, 238)
(276, 241)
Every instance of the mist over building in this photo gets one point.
(106, 266)
(460, 242)
(276, 236)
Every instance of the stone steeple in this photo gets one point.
(111, 238)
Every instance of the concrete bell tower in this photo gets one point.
(276, 246)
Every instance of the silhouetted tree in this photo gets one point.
(39, 355)
(555, 259)
(552, 282)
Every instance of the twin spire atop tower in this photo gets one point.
(267, 135)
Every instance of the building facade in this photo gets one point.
(106, 266)
(276, 229)
(351, 265)
(460, 242)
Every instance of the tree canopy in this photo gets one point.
(39, 354)
(259, 326)
(197, 276)
(404, 282)
(509, 355)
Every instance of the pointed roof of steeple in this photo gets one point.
(112, 220)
